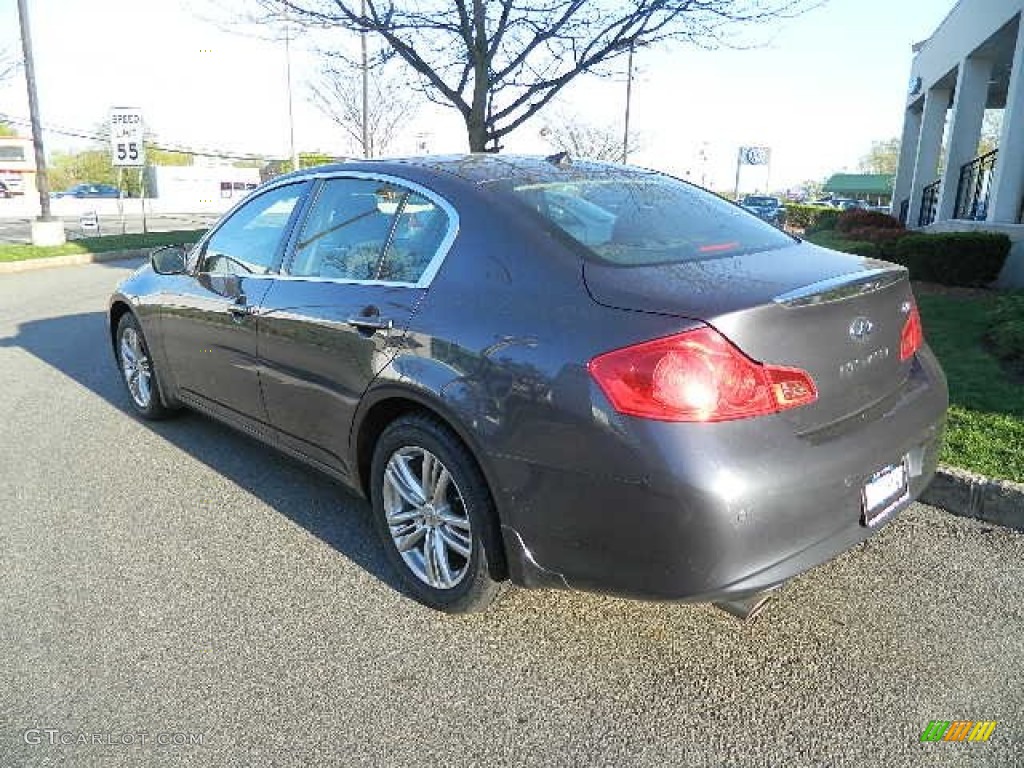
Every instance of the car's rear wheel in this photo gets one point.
(137, 371)
(434, 514)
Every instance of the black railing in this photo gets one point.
(975, 185)
(929, 203)
(904, 210)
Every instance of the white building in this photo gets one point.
(974, 61)
(196, 188)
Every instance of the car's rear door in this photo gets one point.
(208, 323)
(359, 265)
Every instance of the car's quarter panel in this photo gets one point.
(315, 365)
(631, 506)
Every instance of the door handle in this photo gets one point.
(371, 323)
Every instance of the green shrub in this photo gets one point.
(1006, 328)
(951, 258)
(810, 218)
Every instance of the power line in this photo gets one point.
(89, 136)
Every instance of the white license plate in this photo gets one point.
(884, 491)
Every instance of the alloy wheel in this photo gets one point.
(136, 367)
(426, 517)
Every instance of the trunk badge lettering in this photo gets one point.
(861, 328)
(858, 364)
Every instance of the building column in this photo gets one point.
(929, 145)
(1008, 179)
(908, 156)
(964, 130)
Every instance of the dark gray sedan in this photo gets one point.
(552, 373)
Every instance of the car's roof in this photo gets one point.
(485, 168)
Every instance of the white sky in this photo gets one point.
(827, 85)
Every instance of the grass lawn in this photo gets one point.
(986, 415)
(829, 238)
(18, 252)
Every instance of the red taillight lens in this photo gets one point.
(697, 376)
(912, 336)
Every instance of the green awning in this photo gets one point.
(860, 184)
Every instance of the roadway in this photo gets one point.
(178, 578)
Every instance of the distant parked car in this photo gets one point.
(764, 207)
(848, 203)
(90, 190)
(4, 191)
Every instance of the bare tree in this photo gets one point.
(337, 93)
(586, 140)
(498, 62)
(9, 65)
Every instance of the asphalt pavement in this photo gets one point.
(181, 588)
(18, 228)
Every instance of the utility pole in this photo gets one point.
(367, 149)
(629, 98)
(291, 108)
(45, 230)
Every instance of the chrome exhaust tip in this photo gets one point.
(748, 608)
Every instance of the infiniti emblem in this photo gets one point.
(861, 328)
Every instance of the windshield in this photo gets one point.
(763, 202)
(641, 221)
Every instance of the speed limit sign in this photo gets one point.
(126, 137)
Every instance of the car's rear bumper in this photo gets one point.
(712, 512)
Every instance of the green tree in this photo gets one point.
(883, 157)
(6, 129)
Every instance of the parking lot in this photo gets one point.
(178, 579)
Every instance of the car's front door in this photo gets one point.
(209, 325)
(358, 267)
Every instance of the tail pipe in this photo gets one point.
(747, 608)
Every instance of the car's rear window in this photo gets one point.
(646, 220)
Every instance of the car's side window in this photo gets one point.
(248, 242)
(362, 229)
(346, 230)
(421, 228)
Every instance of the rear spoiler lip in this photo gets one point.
(842, 287)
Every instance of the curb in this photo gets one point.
(968, 494)
(70, 260)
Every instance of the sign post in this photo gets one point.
(128, 147)
(751, 156)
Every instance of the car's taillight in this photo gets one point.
(697, 376)
(912, 335)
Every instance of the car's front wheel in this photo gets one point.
(434, 514)
(136, 364)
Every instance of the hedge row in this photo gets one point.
(810, 218)
(949, 258)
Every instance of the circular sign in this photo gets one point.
(757, 156)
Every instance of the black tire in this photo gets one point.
(152, 407)
(466, 498)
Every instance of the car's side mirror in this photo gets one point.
(169, 260)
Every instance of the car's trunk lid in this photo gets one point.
(835, 315)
